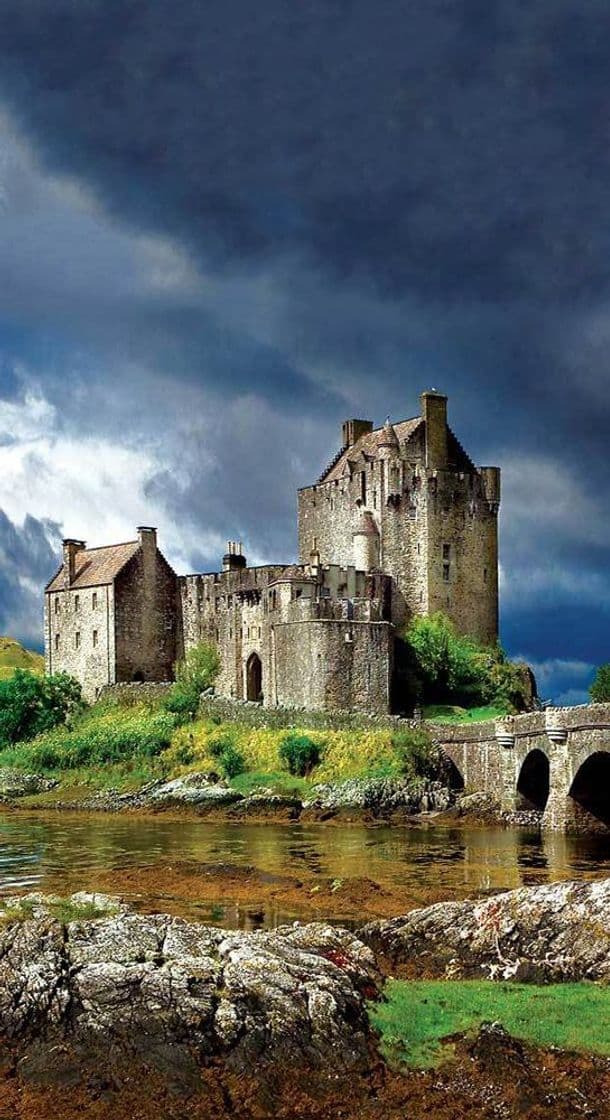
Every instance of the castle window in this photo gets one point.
(446, 551)
(57, 604)
(484, 575)
(363, 487)
(95, 637)
(77, 639)
(94, 600)
(446, 571)
(76, 603)
(57, 641)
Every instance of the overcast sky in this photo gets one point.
(227, 226)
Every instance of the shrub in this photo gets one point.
(30, 705)
(419, 757)
(229, 759)
(300, 754)
(196, 672)
(600, 689)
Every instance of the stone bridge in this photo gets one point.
(556, 761)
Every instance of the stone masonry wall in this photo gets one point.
(145, 618)
(333, 665)
(80, 637)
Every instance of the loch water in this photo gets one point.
(65, 852)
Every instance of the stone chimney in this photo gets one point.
(434, 413)
(147, 536)
(70, 549)
(353, 429)
(233, 559)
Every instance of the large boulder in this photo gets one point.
(379, 797)
(282, 999)
(556, 932)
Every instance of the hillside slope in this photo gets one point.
(14, 656)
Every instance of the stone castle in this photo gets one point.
(401, 523)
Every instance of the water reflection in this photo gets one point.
(53, 853)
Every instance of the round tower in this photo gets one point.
(365, 543)
(387, 447)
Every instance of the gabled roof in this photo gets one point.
(369, 444)
(95, 567)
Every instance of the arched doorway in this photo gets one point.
(533, 784)
(254, 677)
(590, 795)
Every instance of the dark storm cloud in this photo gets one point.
(28, 555)
(448, 147)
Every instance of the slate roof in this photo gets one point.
(369, 444)
(97, 566)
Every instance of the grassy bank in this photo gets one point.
(120, 744)
(452, 713)
(14, 656)
(418, 1018)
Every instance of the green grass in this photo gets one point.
(102, 734)
(278, 780)
(450, 713)
(14, 656)
(417, 1016)
(62, 909)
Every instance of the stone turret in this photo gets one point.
(387, 448)
(366, 543)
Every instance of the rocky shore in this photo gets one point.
(357, 798)
(108, 1013)
(557, 932)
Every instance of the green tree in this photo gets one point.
(194, 674)
(30, 704)
(600, 689)
(453, 669)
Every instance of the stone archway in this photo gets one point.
(452, 777)
(533, 783)
(589, 795)
(254, 677)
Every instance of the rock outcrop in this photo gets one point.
(293, 997)
(379, 797)
(14, 783)
(556, 932)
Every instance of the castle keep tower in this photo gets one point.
(407, 500)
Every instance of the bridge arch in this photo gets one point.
(589, 794)
(534, 781)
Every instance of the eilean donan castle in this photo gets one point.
(401, 523)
